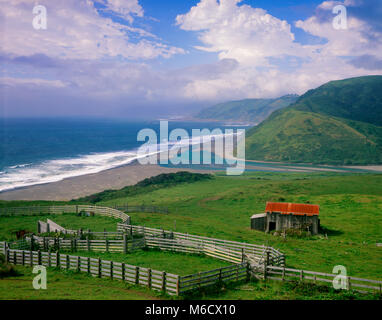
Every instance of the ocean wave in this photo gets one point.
(57, 170)
(24, 175)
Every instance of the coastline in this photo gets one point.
(85, 185)
(130, 174)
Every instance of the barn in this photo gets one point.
(285, 216)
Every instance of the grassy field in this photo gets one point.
(178, 263)
(68, 285)
(64, 285)
(351, 206)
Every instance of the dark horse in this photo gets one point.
(21, 233)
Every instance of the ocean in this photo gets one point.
(36, 151)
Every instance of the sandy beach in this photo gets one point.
(85, 185)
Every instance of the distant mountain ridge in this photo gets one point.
(338, 123)
(247, 110)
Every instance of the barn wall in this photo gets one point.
(259, 223)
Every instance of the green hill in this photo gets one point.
(356, 99)
(253, 110)
(337, 123)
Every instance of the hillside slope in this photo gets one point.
(356, 99)
(254, 110)
(338, 123)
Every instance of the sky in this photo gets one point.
(158, 58)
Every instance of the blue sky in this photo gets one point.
(150, 58)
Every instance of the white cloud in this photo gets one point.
(85, 54)
(125, 9)
(256, 40)
(76, 30)
(239, 32)
(31, 82)
(358, 39)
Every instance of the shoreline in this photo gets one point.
(130, 174)
(85, 185)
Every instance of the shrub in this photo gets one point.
(6, 270)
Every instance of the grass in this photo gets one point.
(61, 284)
(67, 285)
(350, 213)
(351, 206)
(275, 290)
(173, 262)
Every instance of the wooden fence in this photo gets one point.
(57, 210)
(142, 208)
(113, 246)
(288, 274)
(238, 272)
(130, 245)
(230, 247)
(179, 245)
(155, 280)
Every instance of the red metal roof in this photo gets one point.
(293, 208)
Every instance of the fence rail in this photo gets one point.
(57, 210)
(238, 272)
(288, 274)
(142, 208)
(231, 247)
(126, 245)
(113, 246)
(155, 280)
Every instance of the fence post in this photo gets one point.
(242, 255)
(75, 245)
(302, 275)
(39, 257)
(23, 257)
(57, 259)
(88, 265)
(123, 271)
(49, 260)
(177, 285)
(5, 247)
(6, 255)
(149, 278)
(78, 264)
(99, 268)
(266, 266)
(88, 243)
(164, 281)
(107, 245)
(67, 262)
(348, 283)
(111, 269)
(31, 256)
(32, 242)
(136, 275)
(125, 244)
(283, 276)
